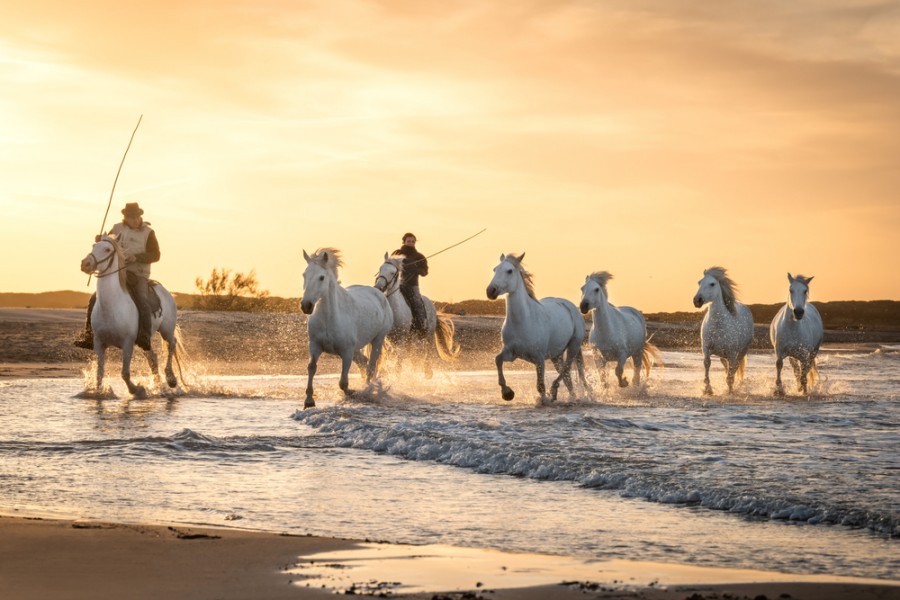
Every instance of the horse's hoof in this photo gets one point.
(172, 381)
(779, 392)
(707, 391)
(309, 403)
(140, 392)
(508, 394)
(623, 382)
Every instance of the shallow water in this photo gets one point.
(796, 485)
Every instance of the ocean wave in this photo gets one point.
(634, 459)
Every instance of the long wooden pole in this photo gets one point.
(116, 180)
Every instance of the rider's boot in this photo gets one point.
(143, 340)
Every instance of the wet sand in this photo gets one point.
(62, 559)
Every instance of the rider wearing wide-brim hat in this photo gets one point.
(141, 249)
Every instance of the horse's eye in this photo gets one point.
(509, 271)
(712, 285)
(321, 278)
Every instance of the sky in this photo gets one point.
(650, 138)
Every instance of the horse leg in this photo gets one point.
(310, 373)
(731, 368)
(541, 386)
(374, 355)
(620, 373)
(803, 378)
(638, 360)
(779, 387)
(563, 367)
(154, 364)
(795, 365)
(137, 391)
(172, 344)
(707, 361)
(505, 355)
(346, 360)
(101, 363)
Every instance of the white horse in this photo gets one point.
(535, 330)
(437, 324)
(114, 318)
(727, 328)
(343, 321)
(797, 332)
(618, 333)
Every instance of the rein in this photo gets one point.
(389, 283)
(98, 270)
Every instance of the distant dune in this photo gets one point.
(845, 315)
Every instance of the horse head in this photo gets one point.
(798, 295)
(389, 273)
(321, 271)
(507, 276)
(593, 292)
(716, 285)
(105, 258)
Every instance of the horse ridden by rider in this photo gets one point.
(140, 247)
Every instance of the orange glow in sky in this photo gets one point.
(651, 139)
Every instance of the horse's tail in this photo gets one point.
(739, 372)
(813, 375)
(651, 356)
(448, 348)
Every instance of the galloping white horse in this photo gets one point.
(343, 320)
(535, 330)
(727, 328)
(115, 316)
(437, 325)
(618, 333)
(797, 332)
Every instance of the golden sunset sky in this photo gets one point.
(649, 138)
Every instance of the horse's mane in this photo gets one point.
(527, 277)
(803, 279)
(328, 258)
(398, 260)
(120, 255)
(601, 277)
(729, 287)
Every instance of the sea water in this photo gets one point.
(804, 485)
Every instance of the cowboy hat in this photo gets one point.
(132, 210)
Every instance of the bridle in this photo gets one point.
(100, 266)
(388, 283)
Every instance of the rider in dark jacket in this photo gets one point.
(415, 265)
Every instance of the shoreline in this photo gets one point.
(75, 559)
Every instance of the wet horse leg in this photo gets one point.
(620, 372)
(707, 361)
(779, 386)
(314, 354)
(135, 390)
(505, 355)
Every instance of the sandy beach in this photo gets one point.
(63, 559)
(56, 558)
